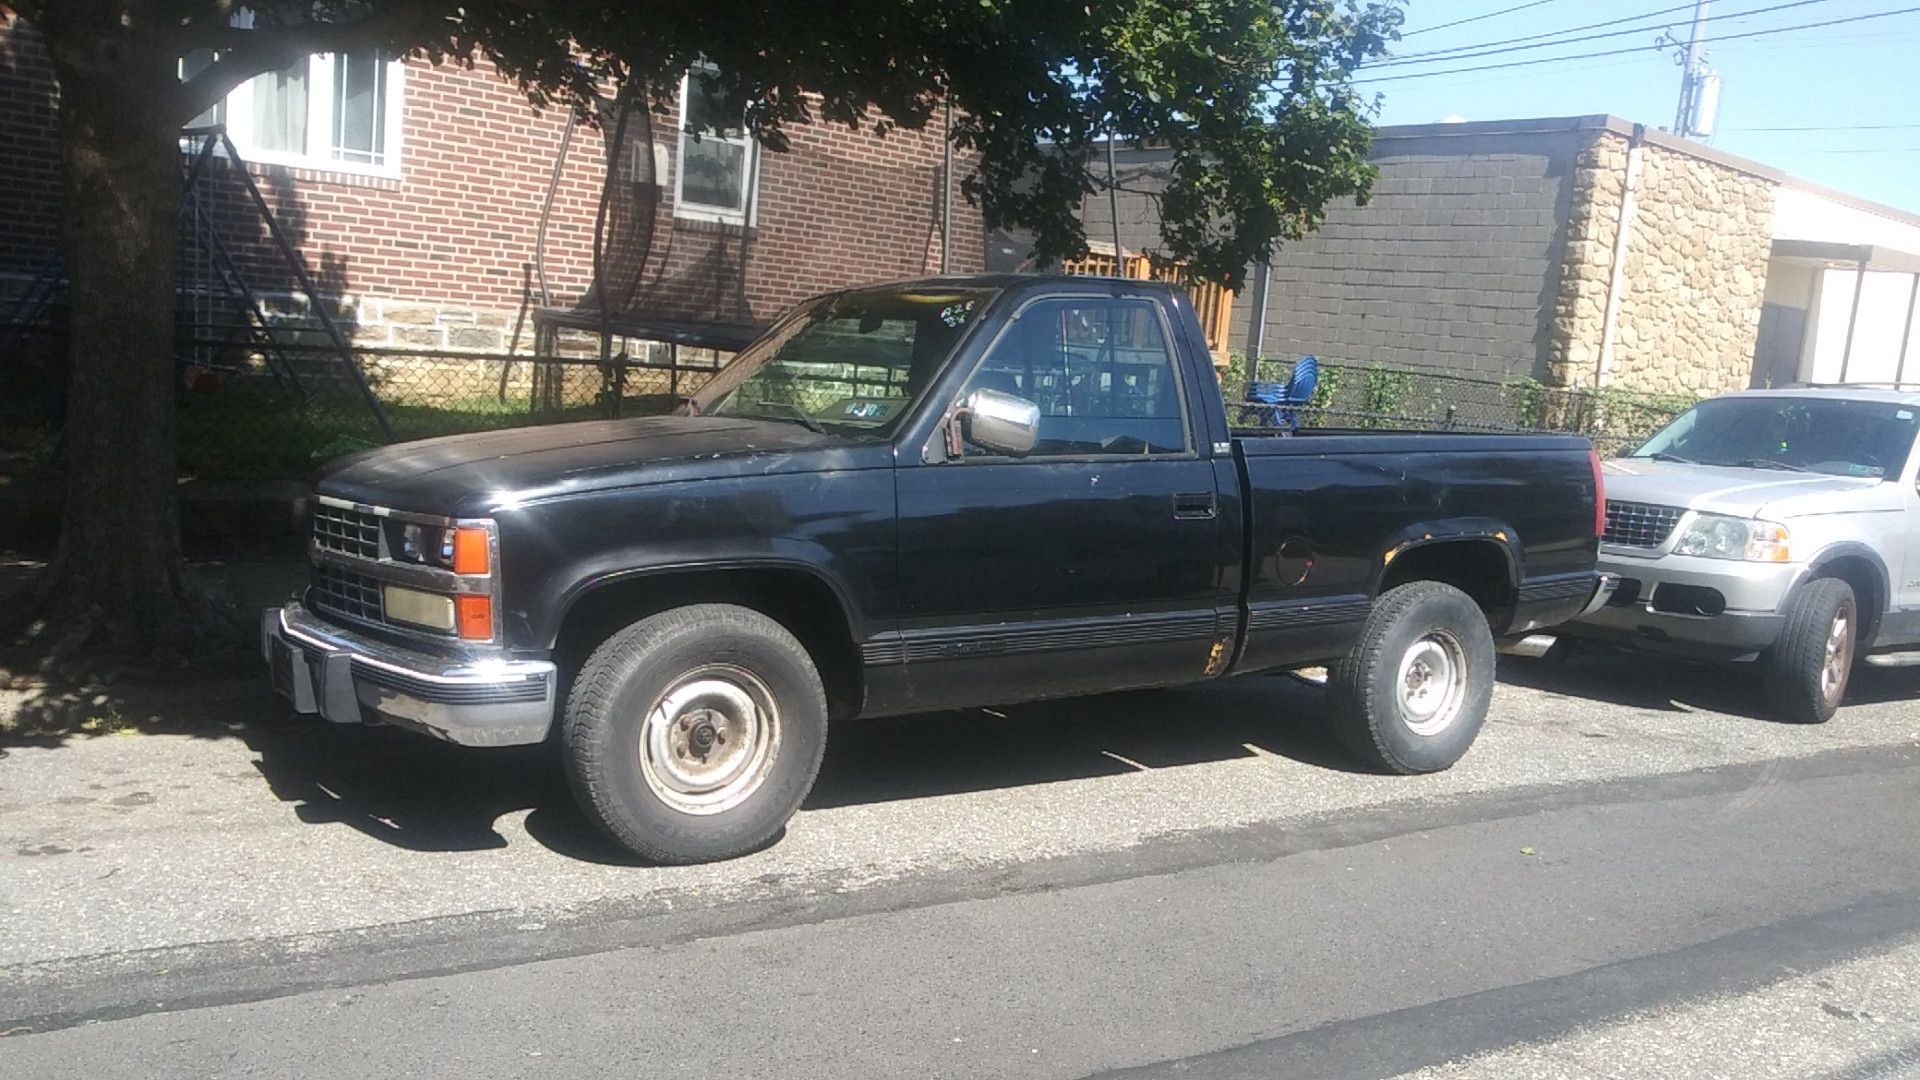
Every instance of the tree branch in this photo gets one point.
(244, 54)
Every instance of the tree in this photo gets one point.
(1251, 96)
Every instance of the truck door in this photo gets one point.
(1093, 562)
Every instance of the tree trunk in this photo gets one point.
(117, 566)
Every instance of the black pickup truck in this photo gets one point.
(929, 495)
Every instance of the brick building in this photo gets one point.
(1511, 249)
(415, 194)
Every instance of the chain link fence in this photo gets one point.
(245, 415)
(1378, 398)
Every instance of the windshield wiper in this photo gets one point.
(1769, 463)
(797, 413)
(1675, 458)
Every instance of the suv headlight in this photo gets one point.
(1714, 536)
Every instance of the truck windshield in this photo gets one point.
(854, 360)
(1841, 437)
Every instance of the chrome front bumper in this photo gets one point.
(350, 678)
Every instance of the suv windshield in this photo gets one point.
(852, 360)
(1837, 436)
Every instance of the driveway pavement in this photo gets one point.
(240, 856)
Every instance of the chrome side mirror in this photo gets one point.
(1000, 422)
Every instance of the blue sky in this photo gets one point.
(1838, 79)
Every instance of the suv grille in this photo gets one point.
(344, 592)
(1640, 524)
(349, 532)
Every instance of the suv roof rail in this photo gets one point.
(1915, 386)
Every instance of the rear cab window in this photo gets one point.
(1102, 372)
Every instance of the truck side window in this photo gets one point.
(1101, 371)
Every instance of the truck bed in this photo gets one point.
(1329, 512)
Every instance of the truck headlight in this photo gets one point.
(465, 549)
(1715, 536)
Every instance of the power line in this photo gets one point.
(1747, 47)
(1636, 48)
(1401, 60)
(1551, 33)
(1832, 127)
(1867, 150)
(1477, 18)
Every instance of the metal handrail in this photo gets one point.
(217, 135)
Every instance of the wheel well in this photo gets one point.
(1478, 568)
(797, 600)
(1869, 591)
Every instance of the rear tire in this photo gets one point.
(1808, 667)
(693, 735)
(1412, 694)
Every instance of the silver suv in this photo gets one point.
(1781, 526)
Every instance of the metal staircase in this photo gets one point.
(221, 323)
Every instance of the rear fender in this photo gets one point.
(1428, 533)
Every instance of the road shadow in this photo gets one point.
(399, 788)
(422, 795)
(1663, 684)
(1045, 742)
(206, 688)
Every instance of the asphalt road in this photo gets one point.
(1633, 873)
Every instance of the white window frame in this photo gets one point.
(320, 99)
(748, 213)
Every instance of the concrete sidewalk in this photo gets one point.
(248, 826)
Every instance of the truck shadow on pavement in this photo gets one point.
(422, 795)
(1077, 738)
(1662, 684)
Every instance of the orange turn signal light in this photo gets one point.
(475, 617)
(470, 551)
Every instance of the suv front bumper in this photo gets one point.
(352, 678)
(1642, 611)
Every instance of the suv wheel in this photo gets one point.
(694, 734)
(1807, 669)
(1412, 694)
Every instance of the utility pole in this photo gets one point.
(1113, 207)
(1692, 71)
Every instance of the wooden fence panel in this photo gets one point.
(1214, 303)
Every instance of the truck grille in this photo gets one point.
(344, 592)
(1641, 525)
(349, 532)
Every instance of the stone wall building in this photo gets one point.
(1691, 276)
(1579, 251)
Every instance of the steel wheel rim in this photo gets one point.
(710, 740)
(1431, 684)
(1833, 669)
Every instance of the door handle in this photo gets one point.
(1195, 506)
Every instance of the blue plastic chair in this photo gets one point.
(1279, 403)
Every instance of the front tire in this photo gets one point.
(1413, 693)
(693, 735)
(1808, 667)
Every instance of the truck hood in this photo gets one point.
(471, 475)
(1741, 492)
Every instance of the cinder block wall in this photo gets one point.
(1451, 264)
(1487, 250)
